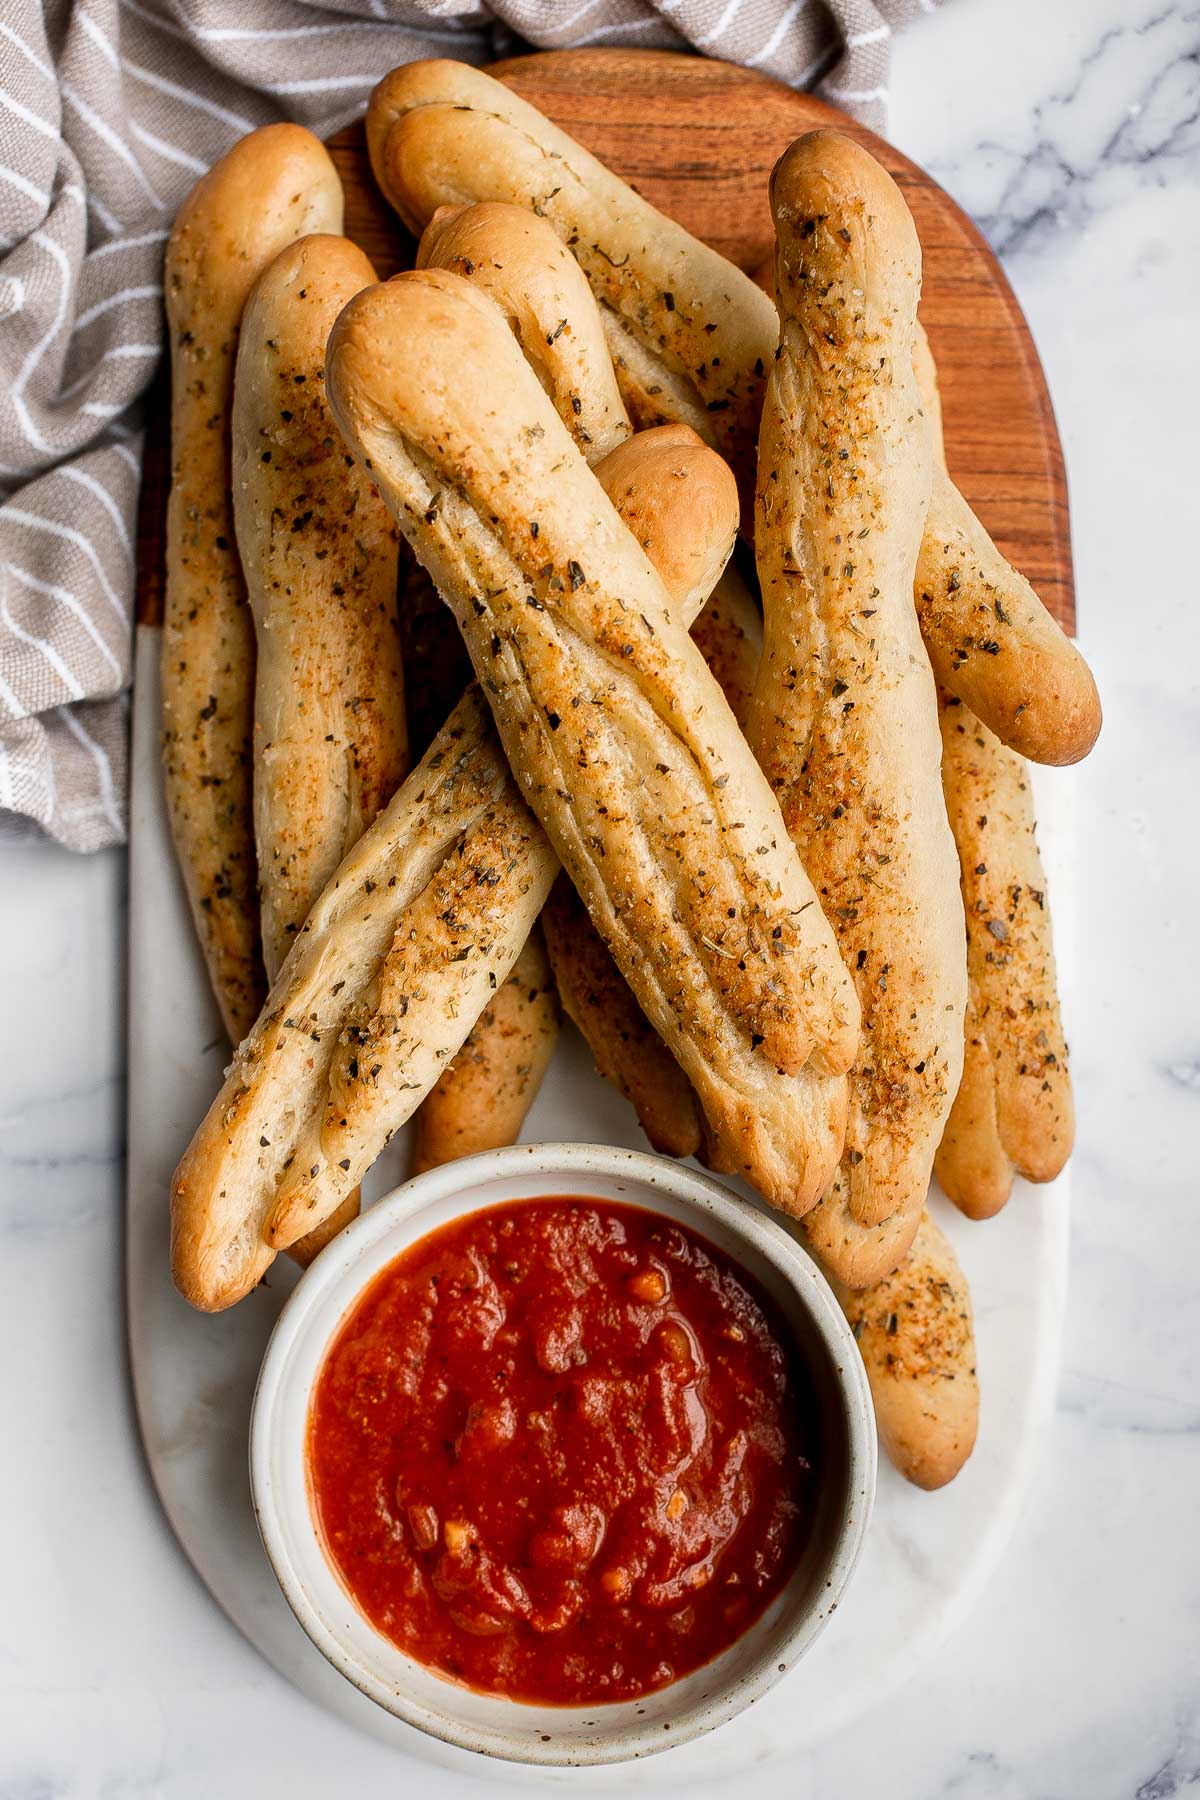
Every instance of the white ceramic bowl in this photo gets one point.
(493, 1725)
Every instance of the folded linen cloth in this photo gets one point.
(109, 110)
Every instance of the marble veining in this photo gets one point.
(1068, 128)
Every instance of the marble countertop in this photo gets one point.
(1068, 128)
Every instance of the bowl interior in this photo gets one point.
(497, 1726)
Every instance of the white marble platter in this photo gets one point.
(928, 1554)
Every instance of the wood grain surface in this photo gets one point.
(699, 139)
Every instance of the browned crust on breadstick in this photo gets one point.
(227, 1217)
(621, 735)
(274, 186)
(519, 260)
(442, 133)
(482, 1100)
(844, 718)
(319, 552)
(307, 1249)
(225, 1188)
(673, 517)
(1014, 1109)
(990, 640)
(464, 930)
(625, 1047)
(917, 1339)
(729, 636)
(682, 507)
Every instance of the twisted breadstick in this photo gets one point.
(622, 738)
(677, 315)
(626, 1049)
(256, 1176)
(692, 340)
(517, 259)
(844, 715)
(272, 187)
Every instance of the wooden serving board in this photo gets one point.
(699, 139)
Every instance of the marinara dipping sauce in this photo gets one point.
(559, 1450)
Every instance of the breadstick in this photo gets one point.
(272, 187)
(1014, 1110)
(224, 1187)
(481, 1101)
(520, 262)
(729, 635)
(990, 640)
(844, 715)
(387, 1051)
(266, 1121)
(626, 1049)
(440, 132)
(685, 526)
(917, 1339)
(318, 549)
(624, 743)
(692, 339)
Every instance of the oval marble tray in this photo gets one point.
(698, 138)
(927, 1554)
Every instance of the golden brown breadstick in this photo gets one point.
(265, 1122)
(685, 526)
(482, 1099)
(844, 717)
(676, 312)
(622, 737)
(625, 1047)
(272, 187)
(318, 549)
(917, 1338)
(692, 339)
(729, 635)
(991, 641)
(1014, 1108)
(519, 260)
(988, 636)
(230, 1208)
(383, 1064)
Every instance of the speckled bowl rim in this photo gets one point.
(384, 1231)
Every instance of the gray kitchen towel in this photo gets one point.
(109, 110)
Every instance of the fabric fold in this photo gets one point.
(109, 110)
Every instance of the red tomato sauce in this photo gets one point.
(560, 1450)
